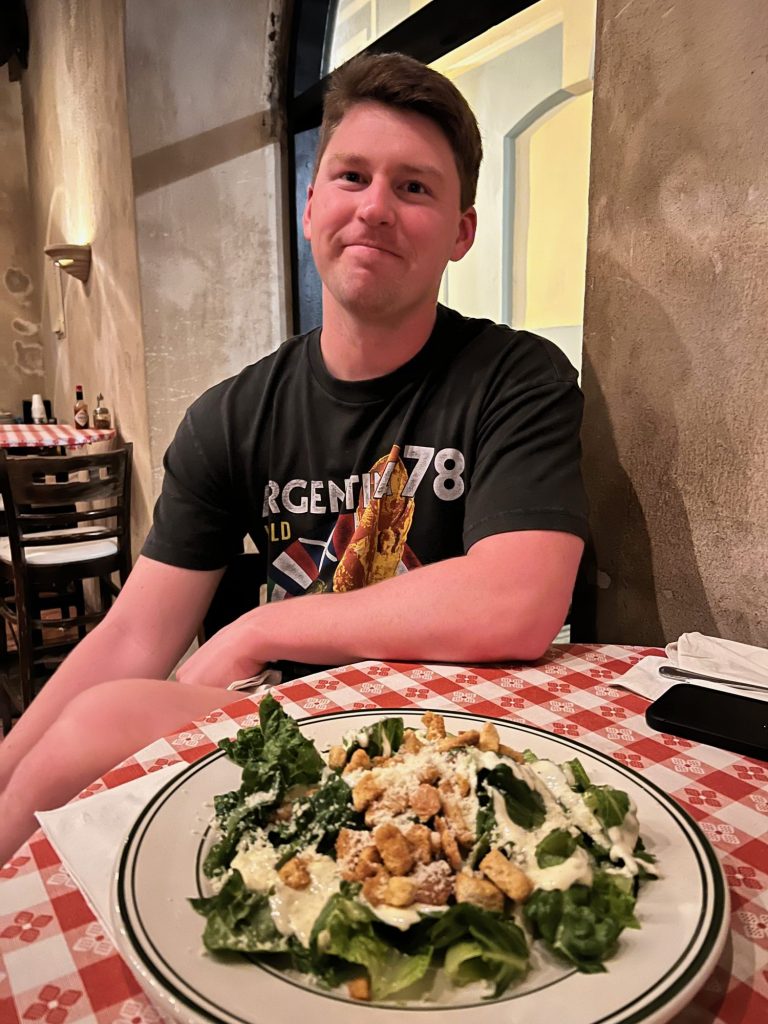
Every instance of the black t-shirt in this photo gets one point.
(486, 420)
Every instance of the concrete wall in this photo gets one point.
(80, 187)
(676, 361)
(202, 83)
(21, 352)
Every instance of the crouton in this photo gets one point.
(471, 888)
(506, 876)
(419, 839)
(425, 801)
(399, 892)
(366, 790)
(511, 753)
(470, 738)
(358, 760)
(360, 988)
(448, 843)
(434, 724)
(368, 864)
(489, 738)
(294, 874)
(337, 757)
(453, 815)
(434, 883)
(411, 743)
(375, 887)
(394, 849)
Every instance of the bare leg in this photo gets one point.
(95, 731)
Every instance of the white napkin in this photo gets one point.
(711, 655)
(88, 835)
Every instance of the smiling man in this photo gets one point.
(412, 474)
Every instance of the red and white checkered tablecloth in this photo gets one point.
(57, 966)
(49, 435)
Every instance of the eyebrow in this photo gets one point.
(417, 170)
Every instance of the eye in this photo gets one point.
(415, 188)
(354, 177)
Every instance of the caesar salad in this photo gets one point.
(400, 854)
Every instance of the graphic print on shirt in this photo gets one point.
(364, 547)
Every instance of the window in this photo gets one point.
(526, 70)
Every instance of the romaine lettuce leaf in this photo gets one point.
(609, 806)
(378, 740)
(583, 923)
(580, 777)
(524, 805)
(238, 919)
(346, 929)
(555, 848)
(480, 944)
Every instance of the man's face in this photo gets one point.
(383, 214)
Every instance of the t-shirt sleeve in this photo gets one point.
(526, 471)
(196, 524)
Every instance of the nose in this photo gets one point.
(377, 203)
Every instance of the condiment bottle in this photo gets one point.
(38, 410)
(81, 407)
(101, 417)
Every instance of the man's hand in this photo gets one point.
(231, 654)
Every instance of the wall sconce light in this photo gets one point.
(74, 259)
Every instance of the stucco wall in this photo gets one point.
(80, 187)
(21, 352)
(209, 203)
(675, 354)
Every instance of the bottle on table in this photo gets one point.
(38, 410)
(101, 417)
(81, 407)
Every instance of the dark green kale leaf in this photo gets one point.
(610, 806)
(274, 757)
(276, 749)
(237, 919)
(583, 923)
(345, 930)
(480, 946)
(524, 805)
(555, 848)
(316, 819)
(378, 740)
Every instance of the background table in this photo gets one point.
(50, 435)
(57, 965)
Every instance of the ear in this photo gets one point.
(465, 235)
(306, 219)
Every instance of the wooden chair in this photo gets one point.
(55, 542)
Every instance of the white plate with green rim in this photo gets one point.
(655, 972)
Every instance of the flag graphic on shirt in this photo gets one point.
(364, 547)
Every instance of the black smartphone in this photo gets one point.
(725, 720)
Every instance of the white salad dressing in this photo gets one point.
(402, 917)
(255, 860)
(295, 911)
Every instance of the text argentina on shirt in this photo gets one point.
(318, 497)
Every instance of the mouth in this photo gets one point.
(366, 246)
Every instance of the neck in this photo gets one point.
(362, 349)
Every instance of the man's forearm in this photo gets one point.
(448, 611)
(505, 600)
(108, 652)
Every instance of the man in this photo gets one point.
(402, 445)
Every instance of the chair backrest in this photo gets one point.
(41, 496)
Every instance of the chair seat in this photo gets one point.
(60, 554)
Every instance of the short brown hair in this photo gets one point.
(405, 83)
